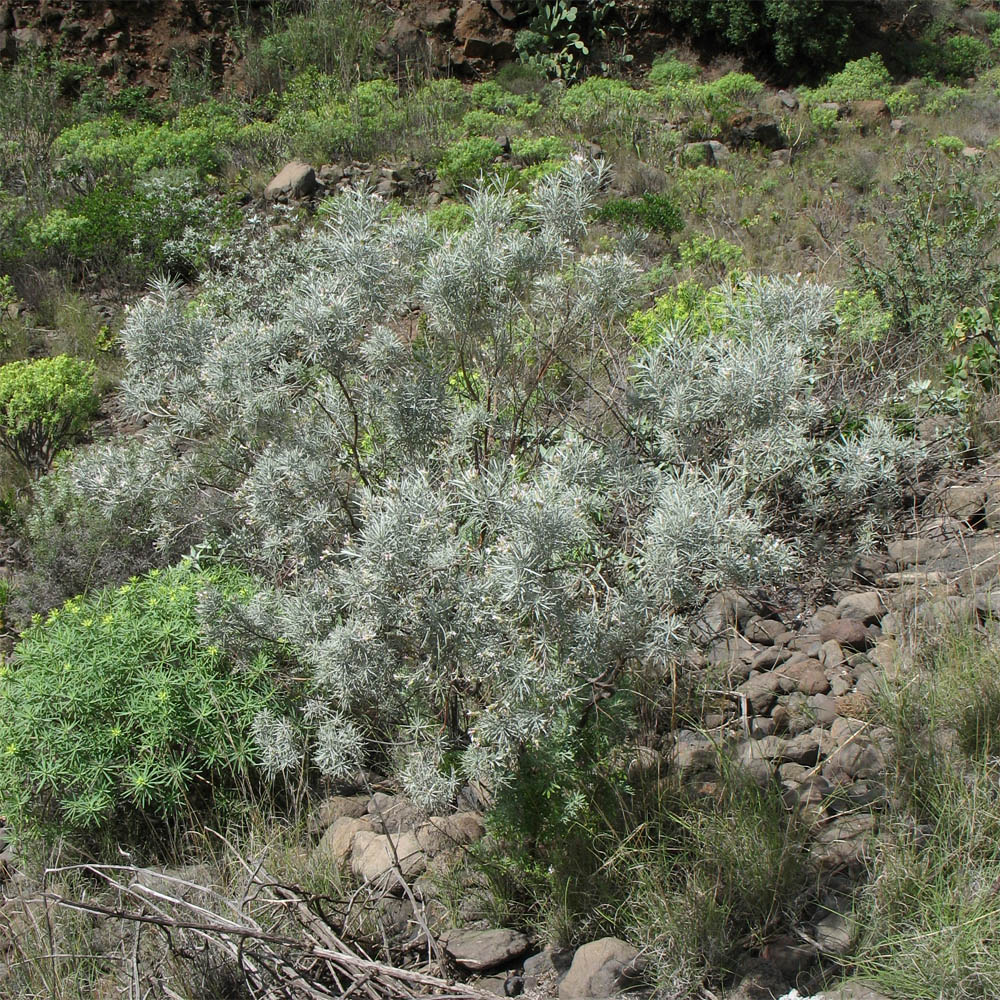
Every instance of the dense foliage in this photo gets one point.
(119, 717)
(44, 405)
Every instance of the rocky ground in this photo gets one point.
(798, 708)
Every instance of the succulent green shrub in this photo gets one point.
(669, 69)
(363, 123)
(959, 56)
(119, 717)
(490, 96)
(600, 105)
(689, 304)
(197, 138)
(715, 254)
(44, 406)
(861, 80)
(466, 160)
(527, 151)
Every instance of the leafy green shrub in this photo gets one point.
(552, 824)
(864, 79)
(491, 96)
(118, 716)
(44, 405)
(860, 316)
(160, 222)
(813, 33)
(197, 138)
(655, 212)
(961, 56)
(364, 123)
(669, 69)
(451, 217)
(486, 123)
(466, 160)
(527, 151)
(825, 119)
(689, 304)
(933, 251)
(714, 253)
(726, 95)
(601, 105)
(944, 100)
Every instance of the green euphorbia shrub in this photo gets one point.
(44, 405)
(118, 715)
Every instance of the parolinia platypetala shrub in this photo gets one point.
(475, 508)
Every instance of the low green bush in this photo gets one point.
(131, 230)
(953, 58)
(366, 122)
(669, 69)
(120, 719)
(861, 80)
(657, 213)
(712, 253)
(491, 96)
(528, 151)
(603, 106)
(44, 405)
(689, 303)
(465, 160)
(197, 138)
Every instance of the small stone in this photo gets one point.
(865, 607)
(393, 813)
(375, 857)
(807, 676)
(763, 631)
(824, 708)
(847, 633)
(833, 934)
(770, 657)
(331, 809)
(601, 969)
(832, 654)
(441, 834)
(295, 180)
(481, 950)
(788, 100)
(338, 841)
(761, 691)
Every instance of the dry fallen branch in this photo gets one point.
(306, 960)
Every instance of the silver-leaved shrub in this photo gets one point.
(477, 508)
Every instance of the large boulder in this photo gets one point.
(754, 128)
(601, 969)
(295, 180)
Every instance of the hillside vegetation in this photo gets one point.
(530, 529)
